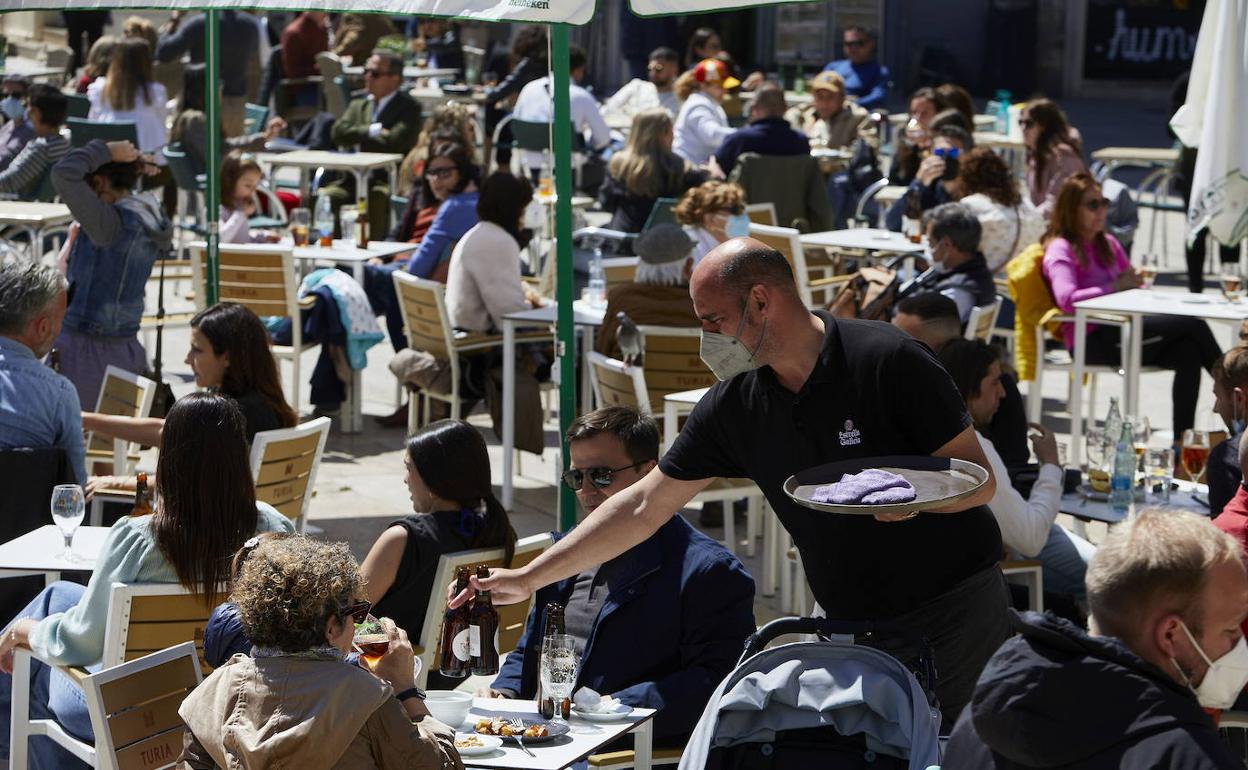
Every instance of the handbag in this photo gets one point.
(162, 400)
(868, 295)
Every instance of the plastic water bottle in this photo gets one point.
(1124, 471)
(597, 280)
(1003, 111)
(323, 219)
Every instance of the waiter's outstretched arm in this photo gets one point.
(623, 521)
(965, 446)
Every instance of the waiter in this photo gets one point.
(800, 389)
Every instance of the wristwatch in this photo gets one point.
(411, 692)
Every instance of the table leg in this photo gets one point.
(1076, 392)
(357, 272)
(51, 577)
(1133, 365)
(587, 387)
(509, 406)
(355, 404)
(643, 745)
(669, 423)
(19, 714)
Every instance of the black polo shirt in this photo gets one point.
(874, 391)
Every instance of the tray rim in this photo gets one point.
(896, 461)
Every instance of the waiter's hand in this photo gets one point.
(506, 586)
(896, 516)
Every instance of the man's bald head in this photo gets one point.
(737, 265)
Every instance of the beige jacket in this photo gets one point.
(852, 122)
(298, 713)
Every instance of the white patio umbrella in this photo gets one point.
(1214, 119)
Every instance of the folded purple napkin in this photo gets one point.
(870, 487)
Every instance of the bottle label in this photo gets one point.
(461, 646)
(474, 641)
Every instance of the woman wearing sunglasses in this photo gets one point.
(1082, 261)
(1054, 152)
(292, 702)
(453, 509)
(205, 509)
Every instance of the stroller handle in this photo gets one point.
(823, 626)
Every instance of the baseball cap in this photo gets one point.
(827, 81)
(714, 71)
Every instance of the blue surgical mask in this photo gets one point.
(12, 108)
(738, 226)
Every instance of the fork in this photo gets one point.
(516, 724)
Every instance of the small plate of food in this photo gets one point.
(530, 730)
(473, 745)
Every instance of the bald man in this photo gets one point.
(800, 389)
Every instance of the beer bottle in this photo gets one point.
(361, 225)
(455, 648)
(483, 631)
(54, 359)
(142, 497)
(554, 625)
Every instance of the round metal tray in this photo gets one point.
(937, 482)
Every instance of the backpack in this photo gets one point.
(868, 295)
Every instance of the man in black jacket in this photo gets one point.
(959, 271)
(1168, 592)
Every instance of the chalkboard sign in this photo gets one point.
(1140, 39)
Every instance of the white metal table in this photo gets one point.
(585, 316)
(410, 72)
(1137, 303)
(35, 217)
(31, 68)
(38, 552)
(357, 163)
(1113, 157)
(874, 241)
(584, 739)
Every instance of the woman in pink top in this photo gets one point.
(1054, 152)
(1082, 261)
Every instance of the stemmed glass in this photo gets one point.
(371, 641)
(68, 507)
(560, 667)
(1194, 453)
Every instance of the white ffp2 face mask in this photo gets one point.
(725, 355)
(1226, 677)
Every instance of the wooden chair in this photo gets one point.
(624, 760)
(762, 213)
(262, 277)
(123, 394)
(146, 617)
(982, 323)
(619, 270)
(284, 463)
(787, 241)
(511, 617)
(427, 324)
(133, 708)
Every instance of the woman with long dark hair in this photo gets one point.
(205, 508)
(1082, 261)
(1054, 152)
(1009, 223)
(454, 509)
(129, 92)
(229, 354)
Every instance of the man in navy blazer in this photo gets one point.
(662, 624)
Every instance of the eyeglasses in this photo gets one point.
(1096, 204)
(440, 173)
(858, 43)
(599, 477)
(1026, 122)
(655, 68)
(358, 612)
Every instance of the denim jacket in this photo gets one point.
(113, 256)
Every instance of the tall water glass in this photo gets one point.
(559, 668)
(68, 506)
(1159, 467)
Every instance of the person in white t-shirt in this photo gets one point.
(658, 90)
(536, 104)
(702, 125)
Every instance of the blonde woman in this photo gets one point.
(128, 93)
(644, 171)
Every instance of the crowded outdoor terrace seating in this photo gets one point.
(896, 420)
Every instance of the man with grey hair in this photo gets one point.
(1167, 592)
(38, 407)
(959, 271)
(659, 293)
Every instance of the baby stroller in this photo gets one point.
(828, 704)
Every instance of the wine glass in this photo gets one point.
(68, 506)
(1195, 452)
(560, 667)
(371, 641)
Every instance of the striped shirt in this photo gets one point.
(32, 164)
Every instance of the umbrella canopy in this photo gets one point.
(1214, 119)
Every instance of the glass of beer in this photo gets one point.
(371, 641)
(1148, 274)
(300, 221)
(1232, 286)
(1195, 452)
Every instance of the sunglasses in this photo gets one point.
(599, 477)
(358, 612)
(440, 173)
(1026, 122)
(655, 68)
(855, 43)
(1096, 204)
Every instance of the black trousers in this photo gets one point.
(1182, 345)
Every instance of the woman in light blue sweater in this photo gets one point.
(205, 509)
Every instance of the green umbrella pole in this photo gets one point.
(212, 194)
(564, 280)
